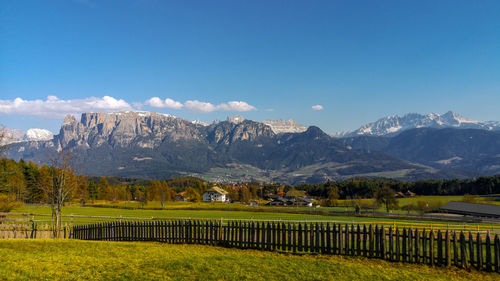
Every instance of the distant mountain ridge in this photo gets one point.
(33, 134)
(467, 151)
(392, 125)
(153, 145)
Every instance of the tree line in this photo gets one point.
(29, 183)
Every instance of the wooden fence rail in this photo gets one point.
(435, 248)
(32, 231)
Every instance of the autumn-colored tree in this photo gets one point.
(386, 196)
(81, 192)
(192, 195)
(333, 196)
(166, 194)
(12, 180)
(92, 191)
(245, 195)
(104, 190)
(8, 202)
(295, 192)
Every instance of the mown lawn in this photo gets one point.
(88, 260)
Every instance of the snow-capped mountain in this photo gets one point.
(10, 135)
(392, 125)
(14, 135)
(36, 134)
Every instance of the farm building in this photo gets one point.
(472, 209)
(291, 201)
(215, 194)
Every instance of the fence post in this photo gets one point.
(488, 252)
(463, 250)
(340, 239)
(358, 240)
(448, 246)
(268, 237)
(382, 243)
(417, 243)
(370, 241)
(318, 240)
(479, 252)
(346, 238)
(471, 250)
(294, 237)
(306, 238)
(409, 257)
(455, 249)
(424, 248)
(311, 237)
(365, 238)
(398, 245)
(391, 245)
(431, 246)
(289, 237)
(405, 245)
(497, 253)
(263, 236)
(328, 239)
(300, 249)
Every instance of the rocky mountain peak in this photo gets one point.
(281, 126)
(393, 125)
(124, 128)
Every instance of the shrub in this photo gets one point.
(8, 202)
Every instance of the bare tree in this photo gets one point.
(60, 188)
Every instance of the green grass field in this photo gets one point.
(239, 214)
(88, 260)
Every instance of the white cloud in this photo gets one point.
(236, 106)
(53, 107)
(167, 103)
(317, 107)
(200, 107)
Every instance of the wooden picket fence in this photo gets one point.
(32, 231)
(435, 248)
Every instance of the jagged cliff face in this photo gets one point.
(150, 130)
(122, 129)
(228, 132)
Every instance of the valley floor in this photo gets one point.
(88, 260)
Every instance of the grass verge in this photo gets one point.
(88, 260)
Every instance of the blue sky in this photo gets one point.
(358, 60)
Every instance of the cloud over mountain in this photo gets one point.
(167, 103)
(199, 106)
(55, 108)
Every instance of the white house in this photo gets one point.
(215, 194)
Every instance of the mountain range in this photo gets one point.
(393, 125)
(154, 145)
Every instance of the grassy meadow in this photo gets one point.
(89, 260)
(222, 211)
